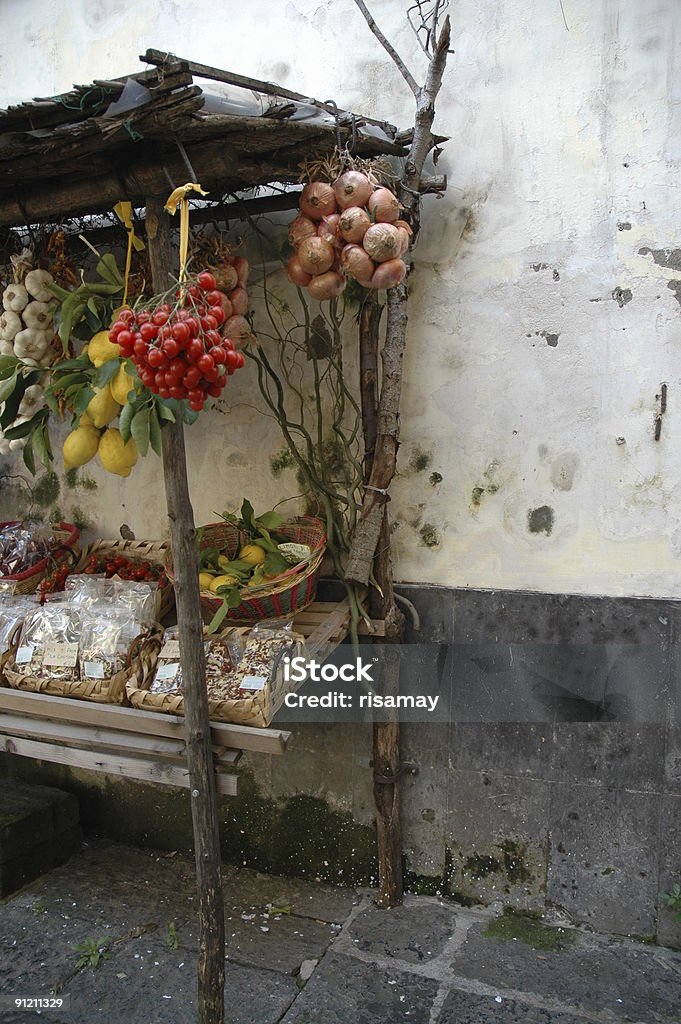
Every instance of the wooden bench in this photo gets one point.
(146, 745)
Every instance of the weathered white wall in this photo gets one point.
(538, 337)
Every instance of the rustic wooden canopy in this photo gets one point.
(145, 133)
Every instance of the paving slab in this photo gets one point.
(585, 973)
(416, 932)
(346, 991)
(465, 1008)
(243, 887)
(146, 981)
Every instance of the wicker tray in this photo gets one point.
(277, 598)
(256, 710)
(138, 550)
(26, 582)
(142, 662)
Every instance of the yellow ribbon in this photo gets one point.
(123, 211)
(178, 197)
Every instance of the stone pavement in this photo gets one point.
(303, 953)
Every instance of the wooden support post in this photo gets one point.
(197, 728)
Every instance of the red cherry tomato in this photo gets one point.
(181, 333)
(177, 368)
(232, 360)
(215, 390)
(194, 350)
(126, 315)
(192, 377)
(211, 375)
(140, 348)
(195, 395)
(193, 325)
(240, 356)
(197, 406)
(149, 331)
(219, 355)
(160, 379)
(160, 317)
(218, 314)
(155, 357)
(212, 338)
(205, 363)
(177, 391)
(125, 337)
(208, 322)
(214, 298)
(194, 291)
(170, 347)
(163, 392)
(206, 281)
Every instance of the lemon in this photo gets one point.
(253, 554)
(103, 407)
(121, 385)
(223, 581)
(114, 455)
(85, 421)
(100, 350)
(80, 446)
(205, 580)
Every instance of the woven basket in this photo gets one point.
(256, 710)
(142, 662)
(274, 599)
(155, 551)
(66, 536)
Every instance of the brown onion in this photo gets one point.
(389, 274)
(225, 276)
(353, 223)
(382, 242)
(315, 255)
(384, 206)
(299, 229)
(238, 329)
(226, 306)
(355, 262)
(296, 274)
(326, 286)
(242, 267)
(317, 200)
(352, 189)
(405, 227)
(404, 241)
(328, 230)
(239, 299)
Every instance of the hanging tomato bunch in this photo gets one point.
(348, 229)
(177, 346)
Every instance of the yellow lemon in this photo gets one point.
(121, 385)
(100, 350)
(103, 407)
(114, 455)
(85, 421)
(205, 580)
(80, 446)
(223, 581)
(253, 554)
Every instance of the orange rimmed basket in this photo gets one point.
(275, 599)
(66, 536)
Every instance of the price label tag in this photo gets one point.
(61, 655)
(253, 683)
(170, 649)
(167, 671)
(24, 654)
(94, 669)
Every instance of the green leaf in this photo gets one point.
(248, 516)
(107, 268)
(275, 564)
(265, 541)
(127, 413)
(92, 321)
(189, 415)
(155, 431)
(104, 289)
(59, 293)
(69, 379)
(218, 618)
(12, 403)
(52, 402)
(82, 400)
(7, 387)
(41, 443)
(28, 458)
(70, 316)
(12, 433)
(92, 305)
(81, 363)
(139, 428)
(106, 372)
(271, 520)
(8, 366)
(164, 412)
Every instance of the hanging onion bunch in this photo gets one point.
(350, 228)
(231, 276)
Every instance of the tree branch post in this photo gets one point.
(211, 967)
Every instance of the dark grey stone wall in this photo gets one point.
(558, 778)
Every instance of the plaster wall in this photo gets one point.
(545, 303)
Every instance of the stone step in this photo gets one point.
(39, 829)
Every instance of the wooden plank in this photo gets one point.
(239, 737)
(127, 767)
(90, 737)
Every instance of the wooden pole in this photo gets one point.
(197, 728)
